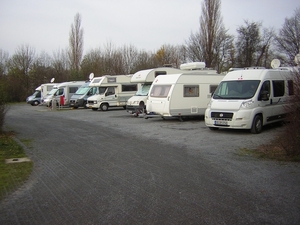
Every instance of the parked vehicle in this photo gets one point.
(62, 93)
(182, 95)
(112, 91)
(40, 92)
(79, 99)
(137, 103)
(250, 98)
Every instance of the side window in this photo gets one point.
(129, 87)
(212, 88)
(278, 88)
(191, 91)
(110, 91)
(291, 87)
(73, 89)
(265, 89)
(60, 92)
(38, 95)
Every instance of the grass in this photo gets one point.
(12, 175)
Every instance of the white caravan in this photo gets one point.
(182, 95)
(40, 93)
(113, 91)
(62, 93)
(250, 99)
(137, 103)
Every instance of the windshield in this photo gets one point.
(52, 91)
(101, 90)
(144, 90)
(82, 90)
(236, 89)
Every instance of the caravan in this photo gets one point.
(250, 98)
(40, 93)
(62, 93)
(137, 103)
(79, 99)
(182, 95)
(112, 91)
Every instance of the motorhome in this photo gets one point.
(250, 98)
(62, 93)
(137, 103)
(112, 91)
(182, 95)
(40, 93)
(79, 99)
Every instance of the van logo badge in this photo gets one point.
(221, 115)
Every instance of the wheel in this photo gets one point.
(213, 128)
(35, 103)
(104, 107)
(257, 125)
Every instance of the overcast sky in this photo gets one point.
(44, 25)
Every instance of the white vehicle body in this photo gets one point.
(62, 93)
(113, 91)
(182, 95)
(233, 106)
(137, 103)
(79, 99)
(40, 93)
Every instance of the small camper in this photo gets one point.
(182, 95)
(112, 91)
(250, 98)
(40, 93)
(62, 93)
(137, 103)
(79, 99)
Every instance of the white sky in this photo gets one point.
(44, 25)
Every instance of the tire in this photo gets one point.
(104, 107)
(35, 103)
(257, 125)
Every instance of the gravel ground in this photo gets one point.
(112, 168)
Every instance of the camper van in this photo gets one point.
(249, 99)
(40, 93)
(112, 91)
(137, 103)
(79, 99)
(182, 95)
(62, 93)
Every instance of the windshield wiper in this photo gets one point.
(217, 96)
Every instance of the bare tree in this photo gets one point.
(4, 56)
(76, 43)
(60, 65)
(171, 55)
(288, 40)
(211, 42)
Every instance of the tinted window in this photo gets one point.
(278, 87)
(129, 87)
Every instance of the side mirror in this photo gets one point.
(264, 95)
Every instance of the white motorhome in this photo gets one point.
(79, 99)
(62, 93)
(137, 103)
(249, 99)
(182, 95)
(113, 91)
(40, 93)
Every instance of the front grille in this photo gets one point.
(221, 116)
(91, 102)
(72, 101)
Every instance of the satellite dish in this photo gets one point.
(275, 63)
(91, 76)
(52, 80)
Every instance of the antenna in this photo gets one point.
(91, 76)
(275, 63)
(52, 80)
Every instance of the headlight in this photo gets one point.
(95, 102)
(209, 104)
(247, 104)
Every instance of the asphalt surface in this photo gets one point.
(112, 168)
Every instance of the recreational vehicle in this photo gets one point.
(182, 95)
(137, 103)
(112, 91)
(62, 93)
(40, 93)
(249, 99)
(79, 99)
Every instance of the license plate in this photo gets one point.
(221, 122)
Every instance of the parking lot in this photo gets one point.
(94, 167)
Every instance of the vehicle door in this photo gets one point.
(277, 98)
(110, 96)
(265, 100)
